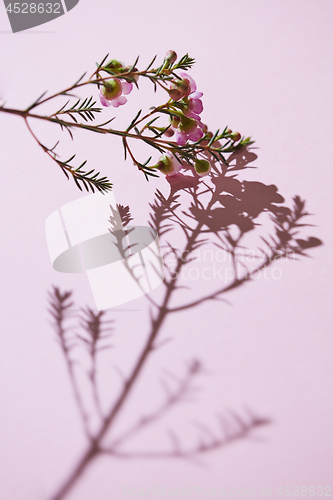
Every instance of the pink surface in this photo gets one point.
(265, 68)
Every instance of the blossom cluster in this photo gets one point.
(184, 108)
(187, 123)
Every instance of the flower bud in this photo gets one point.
(182, 86)
(185, 107)
(175, 94)
(168, 164)
(235, 136)
(175, 120)
(126, 69)
(202, 167)
(114, 65)
(164, 165)
(170, 57)
(168, 132)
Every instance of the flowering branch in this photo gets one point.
(114, 80)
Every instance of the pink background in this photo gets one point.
(265, 69)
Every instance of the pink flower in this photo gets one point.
(189, 128)
(186, 89)
(193, 85)
(111, 93)
(194, 102)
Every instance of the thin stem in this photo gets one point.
(166, 144)
(156, 110)
(96, 81)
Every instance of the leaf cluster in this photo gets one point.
(85, 109)
(90, 180)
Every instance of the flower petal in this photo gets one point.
(181, 138)
(176, 165)
(194, 116)
(119, 101)
(190, 79)
(196, 95)
(195, 134)
(126, 87)
(196, 105)
(104, 101)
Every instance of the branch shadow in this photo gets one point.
(219, 210)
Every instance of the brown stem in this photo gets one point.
(160, 142)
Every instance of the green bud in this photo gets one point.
(182, 87)
(114, 65)
(202, 167)
(175, 120)
(235, 136)
(170, 57)
(168, 132)
(126, 69)
(175, 94)
(164, 165)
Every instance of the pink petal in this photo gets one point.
(190, 79)
(196, 105)
(195, 134)
(176, 166)
(196, 95)
(194, 116)
(119, 101)
(104, 101)
(126, 87)
(181, 138)
(190, 114)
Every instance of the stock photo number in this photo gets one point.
(29, 14)
(304, 491)
(33, 8)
